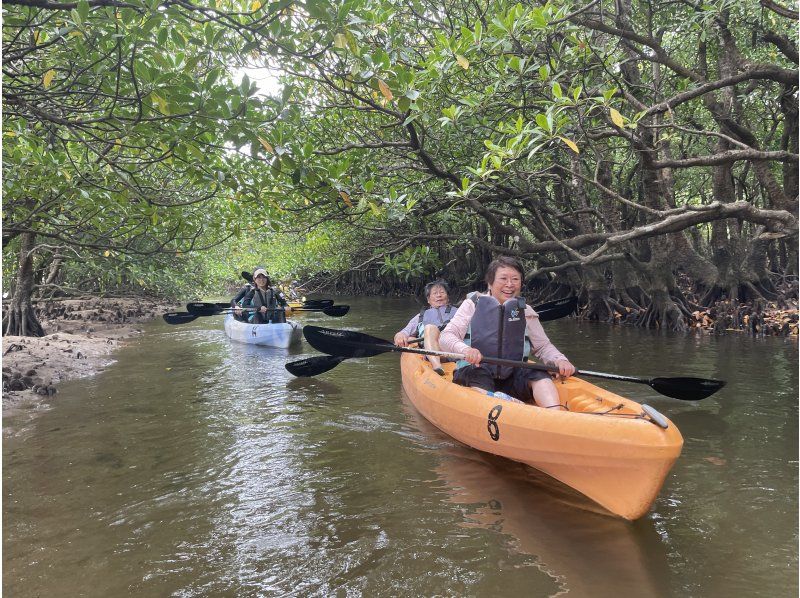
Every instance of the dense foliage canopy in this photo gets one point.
(630, 151)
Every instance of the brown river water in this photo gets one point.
(195, 466)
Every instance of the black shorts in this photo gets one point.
(517, 384)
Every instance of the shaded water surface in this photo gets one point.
(195, 466)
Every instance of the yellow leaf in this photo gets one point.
(462, 62)
(346, 199)
(162, 103)
(35, 38)
(10, 134)
(266, 144)
(48, 78)
(340, 40)
(571, 144)
(255, 5)
(75, 33)
(387, 93)
(106, 253)
(616, 118)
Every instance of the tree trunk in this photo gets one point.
(20, 319)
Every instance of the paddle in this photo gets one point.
(348, 343)
(202, 308)
(184, 317)
(317, 303)
(179, 317)
(313, 366)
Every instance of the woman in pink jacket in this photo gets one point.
(501, 325)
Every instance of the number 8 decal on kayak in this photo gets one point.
(491, 425)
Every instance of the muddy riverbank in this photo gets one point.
(82, 335)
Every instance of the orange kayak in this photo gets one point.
(602, 445)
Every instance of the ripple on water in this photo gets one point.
(197, 466)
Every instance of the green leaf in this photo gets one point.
(211, 78)
(318, 9)
(543, 123)
(544, 72)
(83, 9)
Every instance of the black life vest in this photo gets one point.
(499, 331)
(242, 294)
(256, 298)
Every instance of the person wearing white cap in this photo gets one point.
(269, 304)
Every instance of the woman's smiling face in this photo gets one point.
(506, 285)
(438, 296)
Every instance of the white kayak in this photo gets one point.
(268, 335)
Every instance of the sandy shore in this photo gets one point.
(82, 335)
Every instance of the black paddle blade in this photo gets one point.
(247, 276)
(556, 309)
(337, 311)
(686, 389)
(318, 303)
(202, 308)
(179, 317)
(345, 343)
(313, 366)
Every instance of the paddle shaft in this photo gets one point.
(687, 389)
(348, 343)
(519, 364)
(202, 308)
(492, 360)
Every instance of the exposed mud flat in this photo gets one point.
(82, 335)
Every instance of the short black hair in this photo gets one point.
(504, 261)
(439, 282)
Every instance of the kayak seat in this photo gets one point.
(585, 404)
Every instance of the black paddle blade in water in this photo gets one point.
(313, 366)
(203, 308)
(337, 311)
(345, 343)
(686, 389)
(320, 303)
(179, 317)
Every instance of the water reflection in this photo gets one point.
(586, 550)
(196, 466)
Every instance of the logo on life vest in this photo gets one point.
(254, 332)
(514, 317)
